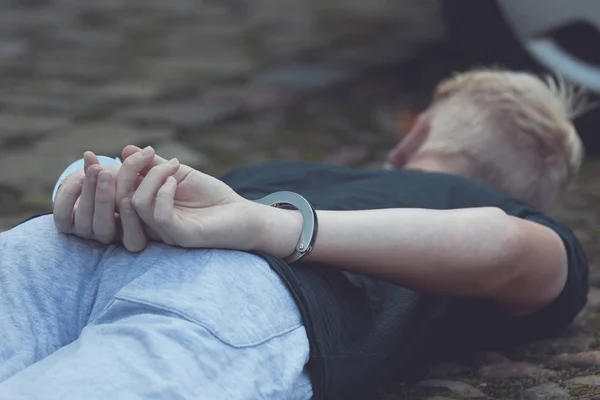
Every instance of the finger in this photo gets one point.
(164, 212)
(129, 172)
(84, 214)
(144, 198)
(184, 170)
(89, 159)
(134, 238)
(66, 199)
(104, 224)
(164, 207)
(147, 229)
(129, 150)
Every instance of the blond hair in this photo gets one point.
(513, 127)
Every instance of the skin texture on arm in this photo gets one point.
(477, 252)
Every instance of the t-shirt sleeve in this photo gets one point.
(495, 329)
(559, 314)
(573, 297)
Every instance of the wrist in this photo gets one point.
(279, 231)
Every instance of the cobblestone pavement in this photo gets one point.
(84, 74)
(77, 76)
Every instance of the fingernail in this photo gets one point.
(147, 151)
(173, 162)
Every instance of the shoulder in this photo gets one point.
(556, 316)
(276, 170)
(573, 296)
(296, 176)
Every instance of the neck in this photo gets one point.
(451, 164)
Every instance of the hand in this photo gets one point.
(183, 206)
(85, 202)
(85, 206)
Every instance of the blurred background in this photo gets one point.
(223, 83)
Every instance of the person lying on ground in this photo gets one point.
(164, 282)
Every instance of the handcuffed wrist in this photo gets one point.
(309, 225)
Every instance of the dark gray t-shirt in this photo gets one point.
(365, 332)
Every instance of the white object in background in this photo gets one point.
(78, 166)
(533, 26)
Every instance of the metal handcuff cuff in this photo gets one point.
(310, 224)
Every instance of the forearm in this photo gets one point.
(456, 252)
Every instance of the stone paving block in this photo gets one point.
(185, 154)
(25, 103)
(106, 138)
(73, 69)
(10, 196)
(24, 126)
(129, 90)
(212, 35)
(567, 344)
(222, 65)
(188, 6)
(301, 77)
(507, 370)
(460, 388)
(14, 20)
(590, 380)
(75, 38)
(12, 47)
(33, 171)
(47, 87)
(547, 391)
(583, 358)
(252, 98)
(186, 114)
(37, 168)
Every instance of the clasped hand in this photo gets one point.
(149, 197)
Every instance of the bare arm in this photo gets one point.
(476, 252)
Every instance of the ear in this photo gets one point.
(411, 143)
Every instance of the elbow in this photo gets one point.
(530, 268)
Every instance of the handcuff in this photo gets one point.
(310, 223)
